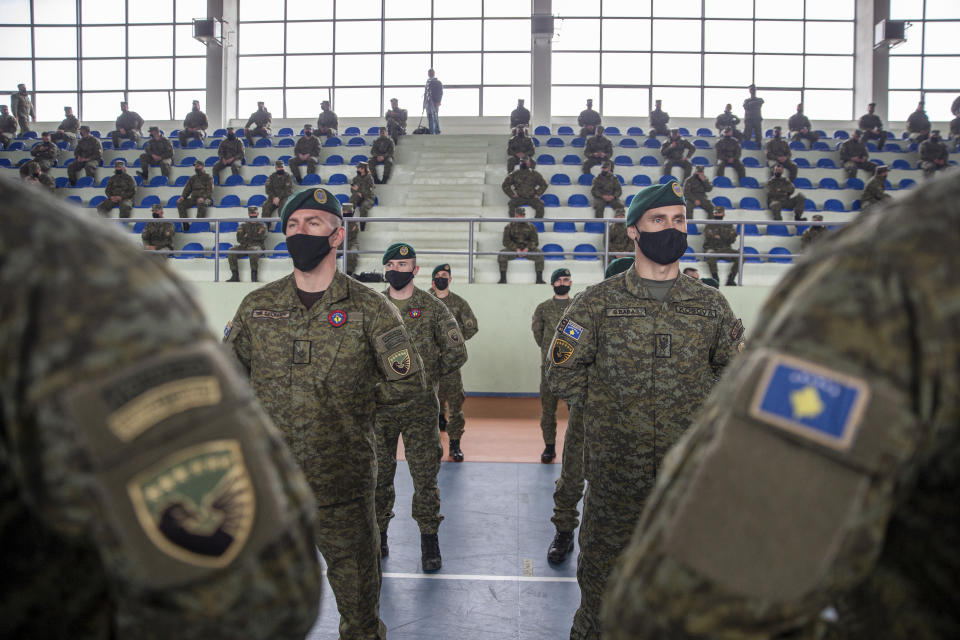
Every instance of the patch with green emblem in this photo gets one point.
(197, 505)
(400, 361)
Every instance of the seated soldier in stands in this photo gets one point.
(813, 234)
(588, 120)
(524, 187)
(519, 148)
(194, 125)
(673, 149)
(251, 236)
(596, 150)
(728, 119)
(8, 127)
(229, 154)
(728, 154)
(31, 173)
(157, 235)
(198, 192)
(353, 240)
(120, 191)
(658, 121)
(933, 154)
(854, 154)
(68, 128)
(606, 191)
(306, 151)
(87, 155)
(695, 189)
(620, 242)
(719, 238)
(381, 153)
(327, 122)
(519, 117)
(520, 240)
(396, 121)
(258, 124)
(45, 153)
(800, 126)
(780, 196)
(129, 125)
(158, 152)
(279, 187)
(361, 191)
(918, 124)
(875, 191)
(872, 127)
(779, 152)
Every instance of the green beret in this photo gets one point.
(660, 195)
(398, 251)
(618, 266)
(559, 273)
(317, 198)
(440, 267)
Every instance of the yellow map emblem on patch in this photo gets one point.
(676, 189)
(400, 361)
(320, 196)
(806, 403)
(561, 351)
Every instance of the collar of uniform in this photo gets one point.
(338, 290)
(683, 289)
(416, 299)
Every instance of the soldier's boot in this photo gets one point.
(540, 279)
(561, 546)
(235, 276)
(384, 547)
(443, 422)
(503, 278)
(455, 453)
(731, 280)
(253, 275)
(549, 454)
(715, 275)
(430, 558)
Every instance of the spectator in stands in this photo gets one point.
(695, 189)
(588, 120)
(752, 116)
(306, 151)
(87, 155)
(520, 240)
(361, 191)
(67, 129)
(876, 190)
(353, 240)
(672, 151)
(544, 323)
(30, 173)
(727, 119)
(620, 242)
(799, 125)
(229, 154)
(157, 152)
(129, 126)
(8, 126)
(596, 150)
(658, 121)
(194, 125)
(933, 154)
(327, 122)
(524, 186)
(719, 238)
(955, 107)
(22, 108)
(120, 191)
(854, 154)
(691, 273)
(813, 234)
(606, 191)
(918, 124)
(45, 152)
(396, 121)
(381, 153)
(279, 187)
(198, 192)
(872, 127)
(432, 95)
(519, 117)
(157, 235)
(955, 132)
(728, 154)
(251, 236)
(519, 148)
(258, 124)
(779, 152)
(780, 196)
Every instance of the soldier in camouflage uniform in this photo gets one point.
(521, 239)
(799, 125)
(519, 148)
(381, 152)
(672, 151)
(543, 324)
(853, 156)
(87, 155)
(158, 235)
(251, 235)
(361, 191)
(129, 126)
(45, 153)
(872, 127)
(753, 116)
(813, 234)
(22, 108)
(8, 127)
(658, 121)
(30, 173)
(933, 154)
(327, 122)
(120, 191)
(98, 350)
(728, 154)
(875, 191)
(316, 345)
(353, 240)
(918, 124)
(620, 242)
(524, 186)
(194, 126)
(157, 152)
(719, 238)
(695, 189)
(727, 119)
(229, 154)
(396, 121)
(606, 190)
(955, 132)
(198, 192)
(823, 470)
(596, 150)
(588, 120)
(279, 187)
(450, 393)
(780, 196)
(306, 151)
(520, 117)
(67, 129)
(436, 336)
(258, 124)
(779, 152)
(637, 353)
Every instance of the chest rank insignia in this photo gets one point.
(414, 313)
(400, 361)
(337, 317)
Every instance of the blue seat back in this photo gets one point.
(585, 252)
(722, 201)
(750, 161)
(585, 179)
(545, 159)
(750, 203)
(358, 158)
(832, 204)
(648, 161)
(750, 230)
(623, 161)
(828, 183)
(541, 131)
(552, 251)
(560, 179)
(783, 255)
(703, 132)
(258, 180)
(563, 226)
(749, 182)
(550, 200)
(333, 160)
(285, 131)
(577, 200)
(629, 143)
(233, 181)
(777, 230)
(256, 200)
(263, 143)
(260, 161)
(337, 178)
(555, 142)
(287, 142)
(641, 180)
(564, 131)
(571, 159)
(722, 181)
(311, 179)
(635, 131)
(230, 200)
(593, 227)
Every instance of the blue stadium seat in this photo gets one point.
(15, 146)
(585, 179)
(840, 134)
(683, 131)
(722, 201)
(563, 226)
(629, 199)
(229, 227)
(201, 226)
(358, 158)
(722, 182)
(95, 200)
(827, 183)
(665, 179)
(820, 145)
(900, 163)
(593, 227)
(148, 202)
(224, 247)
(565, 131)
(352, 131)
(623, 161)
(62, 182)
(578, 143)
(128, 144)
(233, 181)
(750, 203)
(545, 159)
(801, 163)
(5, 162)
(356, 142)
(620, 179)
(538, 225)
(611, 131)
(768, 133)
(263, 143)
(285, 132)
(700, 160)
(172, 202)
(854, 183)
(194, 143)
(585, 251)
(536, 142)
(832, 204)
(809, 205)
(190, 246)
(138, 227)
(893, 146)
(872, 148)
(103, 182)
(750, 145)
(749, 182)
(550, 200)
(693, 229)
(213, 144)
(333, 160)
(778, 230)
(751, 255)
(629, 143)
(84, 181)
(797, 145)
(77, 200)
(555, 142)
(641, 180)
(219, 133)
(826, 163)
(287, 142)
(906, 183)
(750, 230)
(256, 200)
(648, 161)
(259, 161)
(635, 131)
(701, 144)
(337, 178)
(855, 205)
(651, 143)
(230, 200)
(541, 131)
(343, 198)
(688, 255)
(258, 180)
(281, 249)
(802, 183)
(783, 255)
(578, 200)
(571, 160)
(332, 141)
(187, 161)
(552, 252)
(560, 179)
(311, 179)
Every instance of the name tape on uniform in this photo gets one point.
(638, 312)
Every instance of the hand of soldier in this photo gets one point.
(696, 203)
(179, 200)
(276, 201)
(781, 158)
(608, 198)
(155, 157)
(122, 132)
(149, 247)
(354, 187)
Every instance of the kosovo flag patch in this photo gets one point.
(572, 330)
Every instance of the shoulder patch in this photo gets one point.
(270, 314)
(572, 330)
(560, 351)
(628, 311)
(399, 361)
(227, 329)
(736, 331)
(696, 311)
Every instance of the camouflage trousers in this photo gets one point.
(131, 134)
(186, 203)
(387, 163)
(548, 411)
(851, 166)
(522, 201)
(809, 136)
(295, 164)
(125, 206)
(234, 258)
(795, 203)
(362, 205)
(705, 204)
(349, 541)
(451, 396)
(712, 262)
(683, 163)
(185, 137)
(353, 243)
(419, 426)
(268, 208)
(735, 163)
(879, 136)
(255, 131)
(513, 161)
(569, 487)
(599, 204)
(221, 165)
(146, 161)
(929, 168)
(75, 167)
(753, 128)
(67, 136)
(533, 254)
(591, 162)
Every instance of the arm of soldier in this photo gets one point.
(507, 186)
(468, 322)
(236, 335)
(398, 360)
(536, 325)
(728, 340)
(569, 357)
(447, 334)
(508, 242)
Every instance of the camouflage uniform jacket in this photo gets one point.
(719, 236)
(8, 124)
(45, 151)
(519, 116)
(659, 118)
(199, 186)
(196, 120)
(121, 184)
(260, 118)
(696, 189)
(89, 148)
(230, 149)
(931, 150)
(811, 235)
(129, 121)
(851, 149)
(777, 147)
(527, 183)
(779, 189)
(159, 147)
(328, 119)
(598, 144)
(869, 122)
(158, 233)
(20, 105)
(917, 122)
(518, 144)
(396, 118)
(619, 240)
(309, 145)
(675, 153)
(434, 332)
(48, 182)
(316, 372)
(279, 185)
(606, 184)
(725, 120)
(875, 191)
(799, 121)
(462, 312)
(752, 108)
(70, 124)
(382, 146)
(588, 117)
(364, 184)
(544, 323)
(728, 149)
(252, 234)
(520, 235)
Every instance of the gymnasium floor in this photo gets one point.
(496, 583)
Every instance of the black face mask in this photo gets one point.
(158, 215)
(118, 171)
(398, 279)
(199, 172)
(441, 284)
(279, 170)
(561, 289)
(307, 251)
(778, 174)
(231, 136)
(663, 247)
(308, 133)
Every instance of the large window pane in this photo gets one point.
(829, 37)
(565, 8)
(906, 9)
(714, 101)
(152, 11)
(940, 73)
(679, 103)
(152, 105)
(575, 68)
(455, 68)
(506, 68)
(305, 104)
(191, 73)
(183, 103)
(357, 70)
(351, 9)
(827, 105)
(506, 35)
(830, 9)
(260, 71)
(104, 74)
(900, 104)
(100, 106)
(54, 12)
(728, 35)
(914, 41)
(621, 102)
(357, 36)
(260, 10)
(49, 106)
(460, 102)
(676, 8)
(628, 8)
(626, 68)
(185, 44)
(361, 103)
(15, 43)
(406, 35)
(904, 72)
(504, 8)
(729, 9)
(938, 107)
(570, 101)
(56, 75)
(779, 10)
(942, 9)
(778, 105)
(458, 9)
(152, 41)
(676, 35)
(310, 10)
(778, 71)
(406, 8)
(309, 71)
(676, 68)
(620, 34)
(247, 102)
(829, 72)
(261, 38)
(779, 37)
(103, 11)
(577, 35)
(61, 42)
(13, 72)
(941, 37)
(16, 11)
(405, 68)
(456, 35)
(310, 37)
(500, 101)
(409, 98)
(187, 10)
(729, 70)
(102, 42)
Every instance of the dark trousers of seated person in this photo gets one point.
(536, 203)
(220, 166)
(296, 163)
(683, 163)
(233, 258)
(712, 263)
(387, 169)
(589, 163)
(186, 203)
(67, 136)
(186, 136)
(75, 167)
(532, 254)
(809, 136)
(125, 206)
(795, 203)
(260, 132)
(851, 166)
(879, 136)
(737, 166)
(599, 204)
(705, 204)
(268, 208)
(131, 134)
(146, 161)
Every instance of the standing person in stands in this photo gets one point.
(875, 191)
(727, 119)
(606, 191)
(157, 152)
(596, 150)
(519, 117)
(543, 324)
(673, 149)
(728, 155)
(120, 191)
(8, 126)
(305, 152)
(381, 153)
(658, 121)
(258, 124)
(198, 192)
(129, 126)
(251, 235)
(396, 121)
(752, 116)
(229, 154)
(68, 129)
(872, 127)
(432, 96)
(520, 240)
(279, 187)
(918, 124)
(588, 120)
(22, 108)
(778, 152)
(87, 155)
(695, 189)
(519, 148)
(194, 126)
(780, 196)
(327, 122)
(361, 191)
(524, 187)
(799, 125)
(853, 156)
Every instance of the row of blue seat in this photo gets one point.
(751, 145)
(702, 132)
(231, 181)
(226, 202)
(547, 159)
(748, 182)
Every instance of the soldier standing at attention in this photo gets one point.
(120, 191)
(279, 187)
(251, 235)
(381, 152)
(229, 154)
(87, 155)
(165, 517)
(596, 150)
(194, 126)
(853, 156)
(519, 148)
(361, 190)
(695, 189)
(780, 196)
(606, 190)
(799, 125)
(588, 120)
(45, 153)
(258, 124)
(67, 129)
(728, 154)
(327, 122)
(316, 345)
(918, 124)
(814, 234)
(752, 116)
(197, 192)
(436, 336)
(658, 121)
(672, 151)
(450, 393)
(396, 121)
(872, 127)
(848, 434)
(520, 117)
(157, 235)
(637, 353)
(524, 187)
(128, 126)
(719, 238)
(157, 152)
(22, 108)
(727, 119)
(779, 152)
(521, 240)
(543, 324)
(8, 126)
(875, 191)
(306, 151)
(933, 154)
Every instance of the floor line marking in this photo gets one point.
(466, 576)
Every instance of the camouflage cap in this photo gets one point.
(440, 267)
(278, 163)
(660, 195)
(198, 163)
(559, 273)
(156, 207)
(251, 208)
(618, 266)
(119, 162)
(881, 168)
(318, 198)
(398, 251)
(152, 129)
